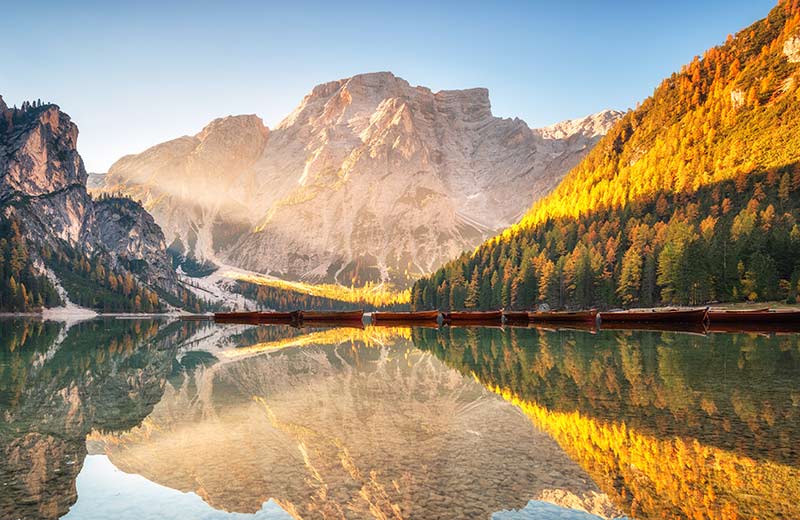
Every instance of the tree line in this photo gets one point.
(690, 198)
(92, 281)
(733, 241)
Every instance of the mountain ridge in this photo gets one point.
(368, 179)
(108, 252)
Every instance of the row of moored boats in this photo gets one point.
(679, 316)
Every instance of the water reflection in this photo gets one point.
(669, 424)
(395, 423)
(56, 387)
(347, 423)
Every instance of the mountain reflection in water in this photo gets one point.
(397, 423)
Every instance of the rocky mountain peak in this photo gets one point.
(41, 155)
(229, 125)
(470, 104)
(43, 186)
(593, 125)
(230, 142)
(368, 179)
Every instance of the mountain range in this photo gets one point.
(369, 179)
(689, 198)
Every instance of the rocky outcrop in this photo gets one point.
(791, 48)
(369, 178)
(35, 144)
(43, 186)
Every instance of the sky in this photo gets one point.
(134, 74)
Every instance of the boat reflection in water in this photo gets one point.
(396, 422)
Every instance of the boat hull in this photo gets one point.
(331, 316)
(754, 316)
(257, 317)
(495, 317)
(516, 317)
(678, 316)
(379, 318)
(564, 317)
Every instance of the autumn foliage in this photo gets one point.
(692, 197)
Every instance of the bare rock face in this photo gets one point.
(36, 146)
(791, 48)
(43, 185)
(368, 179)
(125, 228)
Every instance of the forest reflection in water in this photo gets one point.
(668, 424)
(403, 423)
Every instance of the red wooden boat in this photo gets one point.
(419, 324)
(589, 316)
(764, 315)
(257, 317)
(754, 327)
(229, 316)
(473, 316)
(516, 316)
(656, 316)
(331, 316)
(338, 324)
(402, 317)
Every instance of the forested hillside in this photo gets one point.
(107, 253)
(692, 197)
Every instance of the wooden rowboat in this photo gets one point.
(754, 316)
(473, 316)
(331, 316)
(407, 324)
(656, 316)
(589, 316)
(402, 317)
(338, 324)
(229, 316)
(516, 316)
(257, 317)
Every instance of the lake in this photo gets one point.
(139, 419)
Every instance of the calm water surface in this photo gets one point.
(136, 419)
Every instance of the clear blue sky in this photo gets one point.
(135, 75)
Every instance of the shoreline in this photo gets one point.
(60, 314)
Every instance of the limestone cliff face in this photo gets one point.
(43, 186)
(369, 178)
(36, 144)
